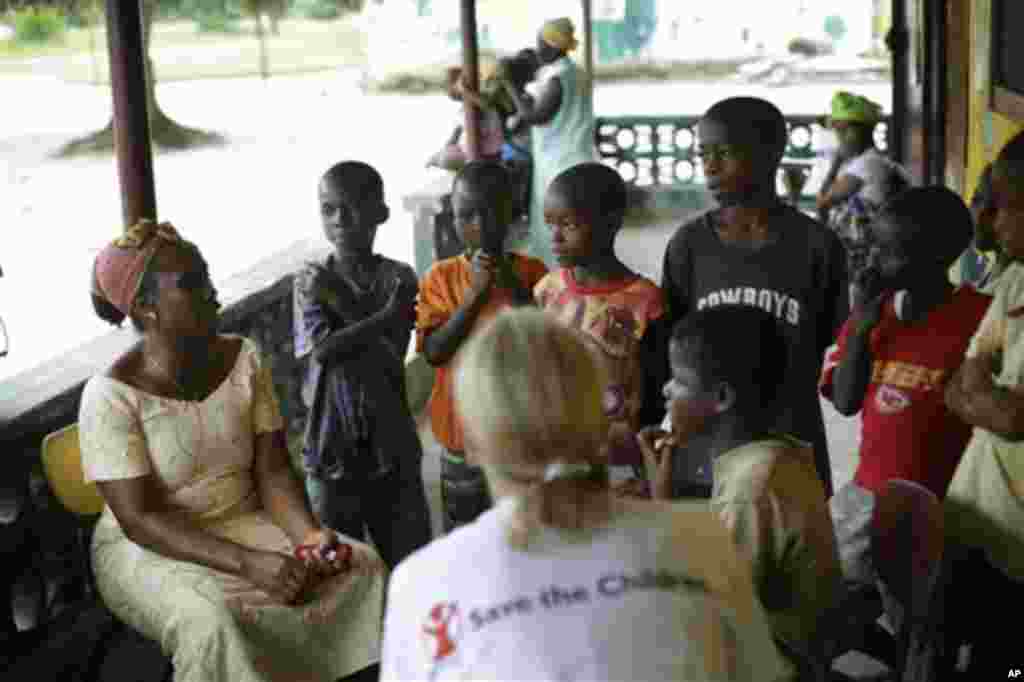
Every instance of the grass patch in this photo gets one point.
(73, 41)
(180, 51)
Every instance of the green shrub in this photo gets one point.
(37, 26)
(85, 14)
(216, 23)
(322, 10)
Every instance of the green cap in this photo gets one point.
(847, 106)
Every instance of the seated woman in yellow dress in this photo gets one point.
(206, 544)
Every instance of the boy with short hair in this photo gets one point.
(985, 502)
(905, 338)
(457, 295)
(728, 364)
(353, 319)
(754, 250)
(617, 310)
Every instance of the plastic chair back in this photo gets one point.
(62, 463)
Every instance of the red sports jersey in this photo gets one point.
(907, 431)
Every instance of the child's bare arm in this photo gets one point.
(323, 286)
(541, 111)
(657, 455)
(841, 189)
(397, 312)
(853, 374)
(342, 342)
(974, 396)
(456, 134)
(441, 344)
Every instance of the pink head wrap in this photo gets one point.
(119, 267)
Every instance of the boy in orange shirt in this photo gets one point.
(459, 294)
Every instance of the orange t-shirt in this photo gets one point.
(442, 291)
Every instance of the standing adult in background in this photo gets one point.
(860, 179)
(562, 120)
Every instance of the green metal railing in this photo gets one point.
(657, 154)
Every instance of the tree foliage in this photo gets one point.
(38, 25)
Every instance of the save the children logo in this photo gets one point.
(445, 624)
(441, 631)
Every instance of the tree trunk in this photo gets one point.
(261, 38)
(164, 131)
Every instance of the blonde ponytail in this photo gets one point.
(529, 392)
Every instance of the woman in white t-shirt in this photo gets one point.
(861, 178)
(561, 580)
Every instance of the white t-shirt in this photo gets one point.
(658, 594)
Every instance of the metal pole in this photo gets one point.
(588, 44)
(471, 72)
(131, 120)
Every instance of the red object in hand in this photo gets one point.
(341, 553)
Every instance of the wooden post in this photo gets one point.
(588, 40)
(471, 72)
(132, 144)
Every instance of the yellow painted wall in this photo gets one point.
(989, 131)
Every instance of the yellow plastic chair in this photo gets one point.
(62, 463)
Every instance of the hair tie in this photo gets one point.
(561, 470)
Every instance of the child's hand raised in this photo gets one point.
(319, 282)
(869, 292)
(656, 446)
(485, 273)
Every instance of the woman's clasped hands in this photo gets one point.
(321, 555)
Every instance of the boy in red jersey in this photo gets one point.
(903, 342)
